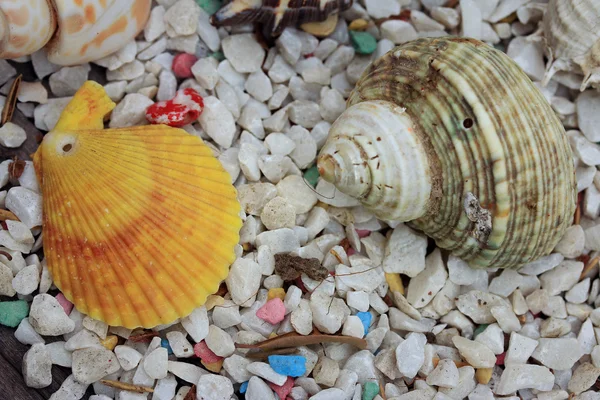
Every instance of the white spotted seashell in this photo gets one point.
(572, 35)
(72, 31)
(451, 135)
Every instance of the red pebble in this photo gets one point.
(283, 390)
(298, 282)
(363, 233)
(181, 110)
(500, 358)
(350, 252)
(182, 65)
(64, 303)
(273, 311)
(202, 351)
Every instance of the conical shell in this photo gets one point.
(139, 223)
(572, 34)
(494, 148)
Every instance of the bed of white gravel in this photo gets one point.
(529, 334)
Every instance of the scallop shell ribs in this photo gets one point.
(139, 223)
(451, 135)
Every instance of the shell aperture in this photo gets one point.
(139, 223)
(485, 143)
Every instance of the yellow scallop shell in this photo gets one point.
(139, 223)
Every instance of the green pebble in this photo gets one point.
(13, 312)
(479, 329)
(210, 6)
(371, 389)
(363, 42)
(218, 55)
(312, 175)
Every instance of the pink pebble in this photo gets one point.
(64, 303)
(350, 251)
(283, 390)
(202, 351)
(362, 233)
(273, 311)
(182, 65)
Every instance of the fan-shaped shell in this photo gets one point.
(73, 31)
(572, 34)
(25, 26)
(494, 148)
(139, 223)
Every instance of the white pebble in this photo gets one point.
(27, 280)
(476, 354)
(37, 366)
(48, 318)
(92, 364)
(214, 387)
(155, 363)
(243, 52)
(196, 324)
(128, 357)
(219, 342)
(12, 135)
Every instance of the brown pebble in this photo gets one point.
(290, 267)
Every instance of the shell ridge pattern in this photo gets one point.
(443, 82)
(103, 247)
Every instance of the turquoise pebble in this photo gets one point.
(209, 6)
(288, 365)
(218, 55)
(13, 312)
(363, 42)
(243, 387)
(479, 329)
(365, 318)
(370, 390)
(165, 343)
(312, 175)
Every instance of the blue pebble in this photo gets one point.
(365, 318)
(288, 365)
(243, 387)
(165, 343)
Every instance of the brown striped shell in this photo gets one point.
(572, 35)
(278, 14)
(451, 135)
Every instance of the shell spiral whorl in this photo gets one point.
(477, 138)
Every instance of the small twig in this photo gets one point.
(293, 340)
(143, 337)
(11, 101)
(263, 355)
(590, 265)
(5, 254)
(126, 386)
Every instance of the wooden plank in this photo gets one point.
(12, 351)
(13, 387)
